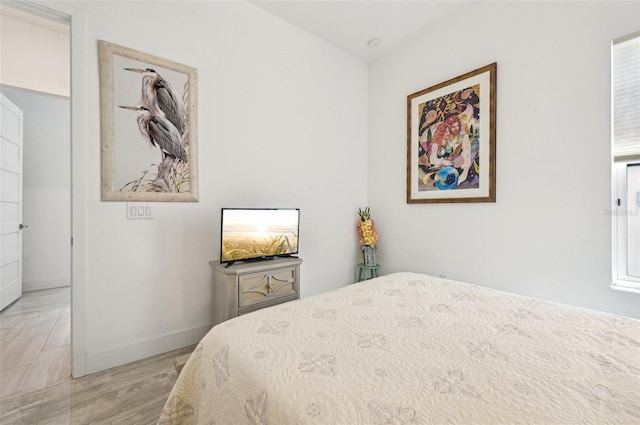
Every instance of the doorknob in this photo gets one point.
(23, 226)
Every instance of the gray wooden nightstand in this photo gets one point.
(245, 287)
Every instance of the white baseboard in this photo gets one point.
(97, 362)
(37, 285)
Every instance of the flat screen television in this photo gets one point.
(258, 233)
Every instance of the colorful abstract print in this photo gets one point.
(449, 141)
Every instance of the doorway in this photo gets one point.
(36, 329)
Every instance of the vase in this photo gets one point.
(369, 255)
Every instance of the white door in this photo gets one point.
(10, 202)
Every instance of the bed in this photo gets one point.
(407, 348)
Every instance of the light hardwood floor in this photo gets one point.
(35, 383)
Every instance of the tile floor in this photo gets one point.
(35, 383)
(35, 341)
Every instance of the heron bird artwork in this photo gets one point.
(160, 133)
(159, 97)
(162, 122)
(150, 155)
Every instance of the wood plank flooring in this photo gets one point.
(35, 383)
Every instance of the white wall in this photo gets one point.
(549, 233)
(282, 122)
(47, 66)
(46, 188)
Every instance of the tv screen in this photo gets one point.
(258, 233)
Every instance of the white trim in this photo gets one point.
(41, 11)
(626, 286)
(619, 217)
(96, 362)
(75, 18)
(626, 37)
(78, 193)
(38, 285)
(77, 22)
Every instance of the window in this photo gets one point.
(626, 162)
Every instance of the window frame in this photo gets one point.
(621, 212)
(623, 155)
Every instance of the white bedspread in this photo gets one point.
(413, 349)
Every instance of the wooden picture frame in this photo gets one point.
(148, 112)
(451, 140)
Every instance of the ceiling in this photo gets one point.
(350, 24)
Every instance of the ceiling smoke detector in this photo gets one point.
(374, 42)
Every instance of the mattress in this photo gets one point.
(407, 348)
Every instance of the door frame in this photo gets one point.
(79, 170)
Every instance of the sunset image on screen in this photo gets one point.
(250, 233)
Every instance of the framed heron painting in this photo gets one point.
(148, 127)
(451, 140)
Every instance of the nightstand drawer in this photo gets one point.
(260, 287)
(249, 286)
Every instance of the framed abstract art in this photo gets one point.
(451, 140)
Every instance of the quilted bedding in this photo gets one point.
(413, 349)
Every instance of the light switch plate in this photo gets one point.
(139, 211)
